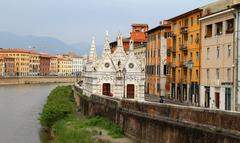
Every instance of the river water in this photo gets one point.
(20, 106)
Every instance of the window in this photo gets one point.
(186, 22)
(191, 56)
(197, 38)
(228, 74)
(197, 56)
(229, 51)
(179, 74)
(228, 98)
(164, 69)
(217, 74)
(208, 31)
(207, 74)
(230, 26)
(158, 87)
(191, 39)
(179, 58)
(208, 50)
(197, 75)
(198, 19)
(175, 28)
(179, 40)
(191, 21)
(219, 28)
(218, 51)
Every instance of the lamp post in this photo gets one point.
(124, 74)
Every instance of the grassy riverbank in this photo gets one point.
(67, 126)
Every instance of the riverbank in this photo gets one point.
(68, 126)
(36, 80)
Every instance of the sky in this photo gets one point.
(74, 21)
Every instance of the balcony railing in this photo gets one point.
(184, 80)
(173, 50)
(184, 30)
(183, 47)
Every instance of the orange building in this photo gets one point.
(185, 56)
(138, 35)
(157, 81)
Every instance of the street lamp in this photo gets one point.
(124, 71)
(190, 66)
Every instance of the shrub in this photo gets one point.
(59, 105)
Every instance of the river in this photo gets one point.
(20, 106)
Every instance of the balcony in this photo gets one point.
(173, 49)
(184, 30)
(183, 47)
(184, 64)
(184, 80)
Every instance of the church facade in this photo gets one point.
(117, 74)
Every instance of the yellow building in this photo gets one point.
(22, 60)
(185, 56)
(34, 65)
(64, 66)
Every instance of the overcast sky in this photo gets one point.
(76, 21)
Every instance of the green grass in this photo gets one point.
(74, 130)
(58, 115)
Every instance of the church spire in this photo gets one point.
(106, 49)
(131, 47)
(119, 40)
(93, 53)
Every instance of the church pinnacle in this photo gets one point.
(106, 49)
(93, 53)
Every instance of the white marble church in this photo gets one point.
(114, 74)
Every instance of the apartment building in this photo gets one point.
(7, 67)
(156, 60)
(64, 66)
(45, 64)
(185, 57)
(22, 60)
(217, 81)
(77, 66)
(53, 66)
(34, 64)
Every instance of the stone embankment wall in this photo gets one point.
(147, 122)
(33, 80)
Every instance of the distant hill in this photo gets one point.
(42, 44)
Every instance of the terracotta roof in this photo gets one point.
(159, 27)
(140, 24)
(19, 51)
(185, 14)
